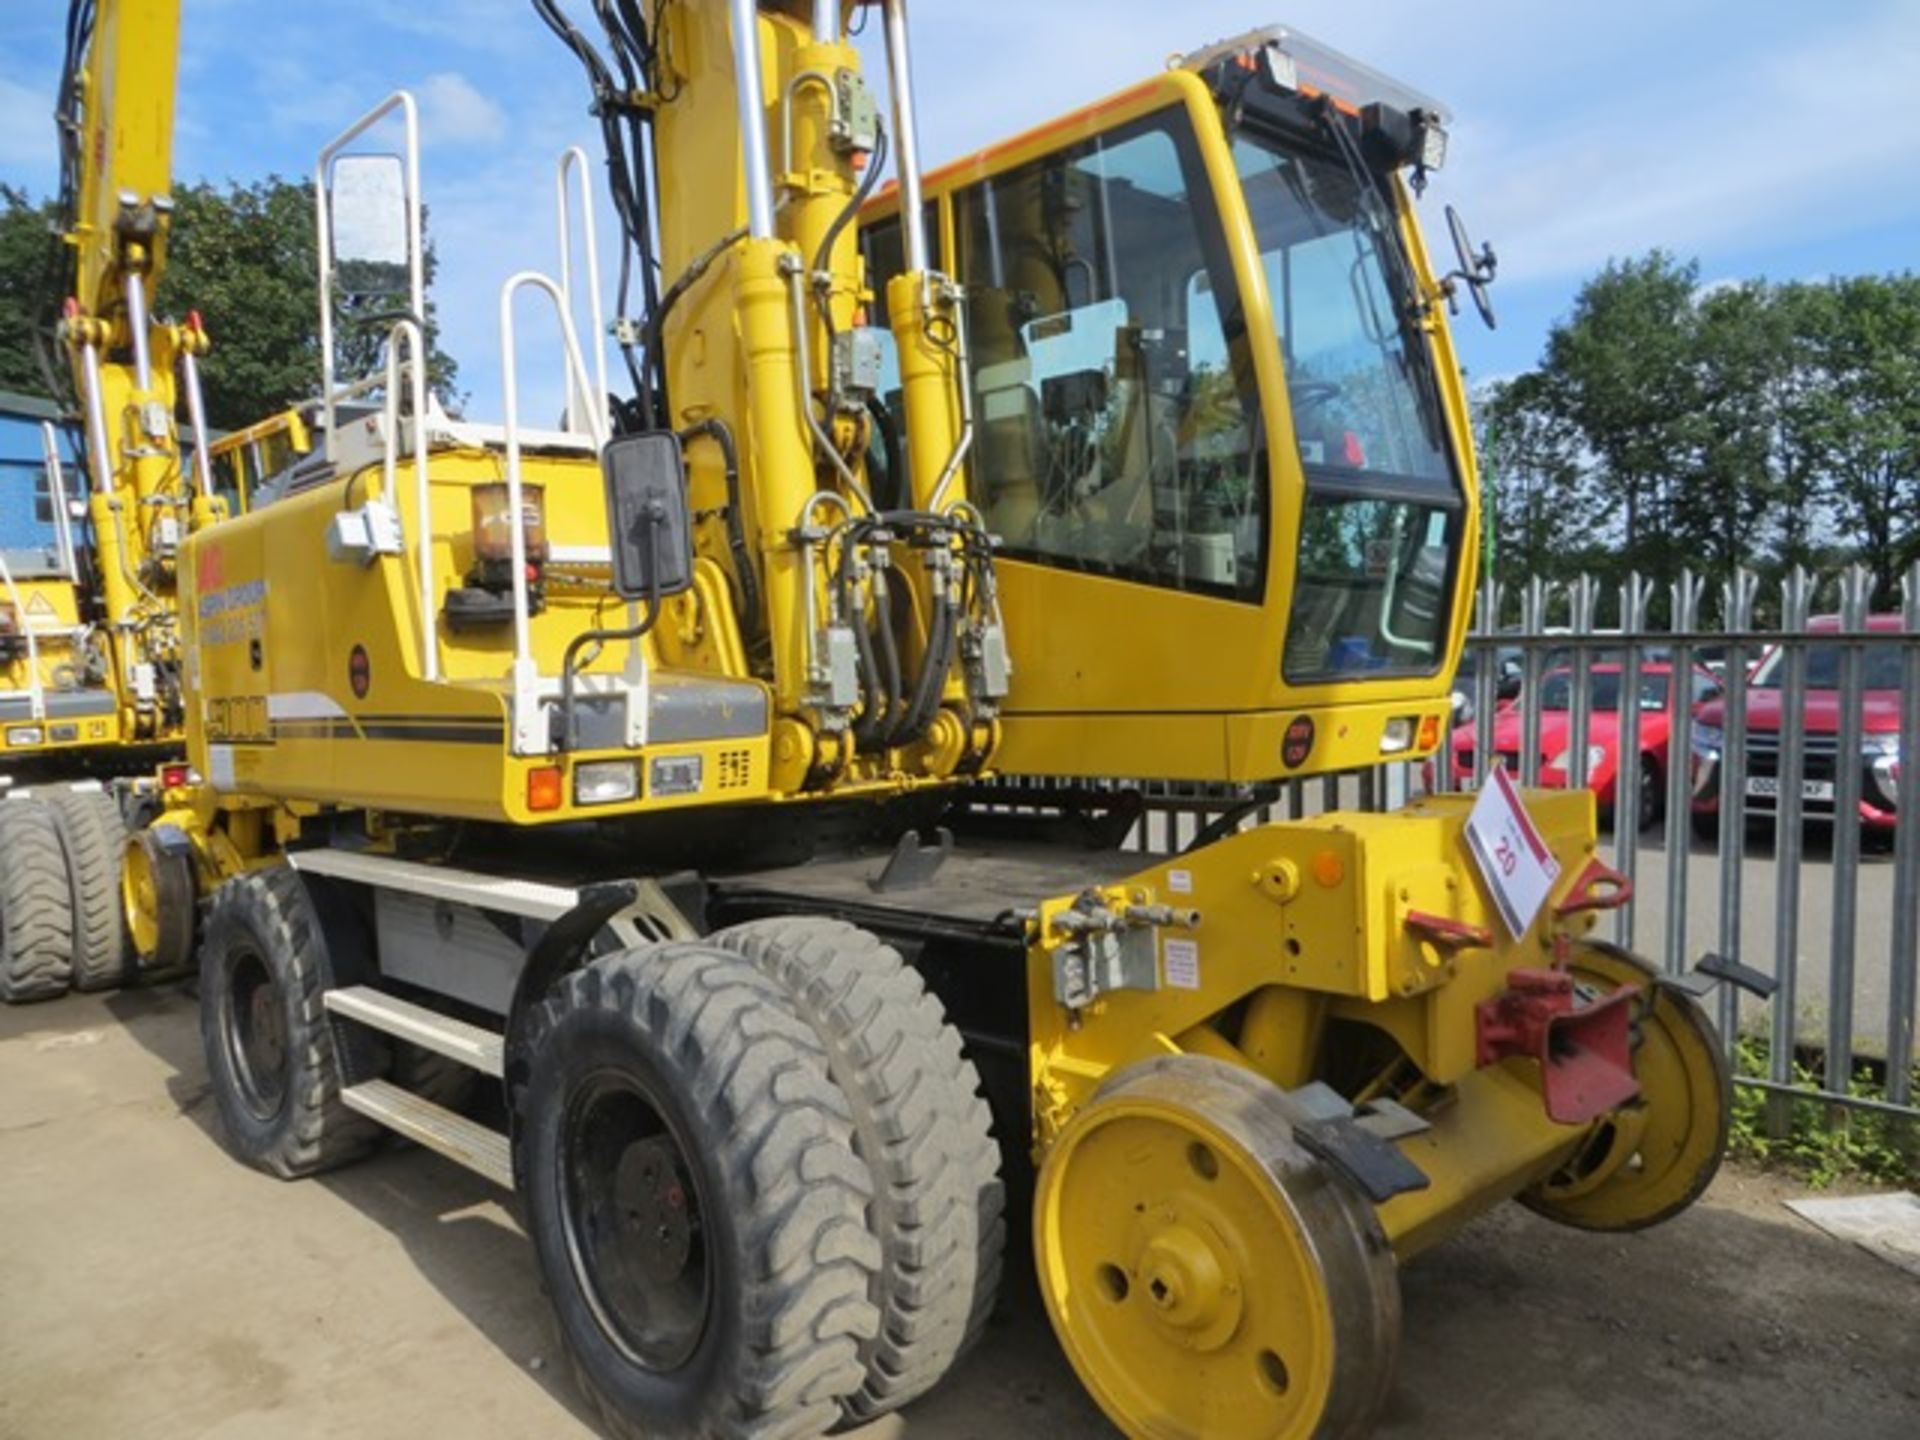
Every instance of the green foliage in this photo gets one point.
(243, 256)
(1669, 427)
(26, 243)
(1821, 1146)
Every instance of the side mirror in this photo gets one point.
(367, 203)
(1476, 269)
(651, 528)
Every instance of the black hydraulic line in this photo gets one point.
(868, 727)
(890, 446)
(932, 678)
(889, 647)
(718, 431)
(824, 255)
(585, 638)
(703, 262)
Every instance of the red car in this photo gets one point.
(1656, 702)
(1819, 720)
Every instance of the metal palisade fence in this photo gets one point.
(1746, 749)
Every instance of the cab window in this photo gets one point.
(1113, 391)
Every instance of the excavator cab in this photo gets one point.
(1220, 433)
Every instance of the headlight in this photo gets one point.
(1886, 777)
(606, 782)
(1708, 740)
(26, 735)
(1595, 754)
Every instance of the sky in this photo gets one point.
(1762, 138)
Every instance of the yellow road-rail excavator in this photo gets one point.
(90, 649)
(654, 768)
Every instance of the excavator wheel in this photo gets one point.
(36, 916)
(693, 1197)
(922, 1127)
(95, 839)
(157, 901)
(1207, 1276)
(276, 1063)
(1659, 1154)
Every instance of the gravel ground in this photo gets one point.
(151, 1288)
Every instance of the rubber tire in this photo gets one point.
(922, 1127)
(431, 1075)
(36, 915)
(1650, 805)
(270, 913)
(784, 1198)
(95, 838)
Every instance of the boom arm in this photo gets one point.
(115, 117)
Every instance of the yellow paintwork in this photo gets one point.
(1170, 1305)
(1119, 678)
(1281, 950)
(120, 224)
(50, 609)
(1306, 923)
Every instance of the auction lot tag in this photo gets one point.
(1515, 862)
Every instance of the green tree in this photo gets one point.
(26, 243)
(1863, 418)
(1620, 372)
(1729, 490)
(1535, 489)
(243, 257)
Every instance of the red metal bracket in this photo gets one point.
(1448, 933)
(1598, 887)
(1585, 1052)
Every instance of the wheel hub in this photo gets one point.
(651, 1195)
(633, 1223)
(1193, 1285)
(1206, 1276)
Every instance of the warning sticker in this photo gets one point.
(39, 605)
(1181, 964)
(1180, 882)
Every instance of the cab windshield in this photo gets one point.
(1383, 511)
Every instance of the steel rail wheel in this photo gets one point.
(156, 899)
(1205, 1274)
(1658, 1154)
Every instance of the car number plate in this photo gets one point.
(1769, 786)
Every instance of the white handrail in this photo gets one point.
(574, 159)
(524, 673)
(57, 493)
(402, 101)
(197, 418)
(36, 694)
(409, 333)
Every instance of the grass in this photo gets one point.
(1825, 1143)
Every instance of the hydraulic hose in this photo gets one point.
(718, 431)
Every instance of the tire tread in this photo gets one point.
(36, 915)
(776, 1130)
(924, 1131)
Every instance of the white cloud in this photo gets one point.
(453, 112)
(1790, 144)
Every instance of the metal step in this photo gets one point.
(465, 1142)
(455, 1039)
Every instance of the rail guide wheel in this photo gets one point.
(157, 900)
(1205, 1274)
(1659, 1154)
